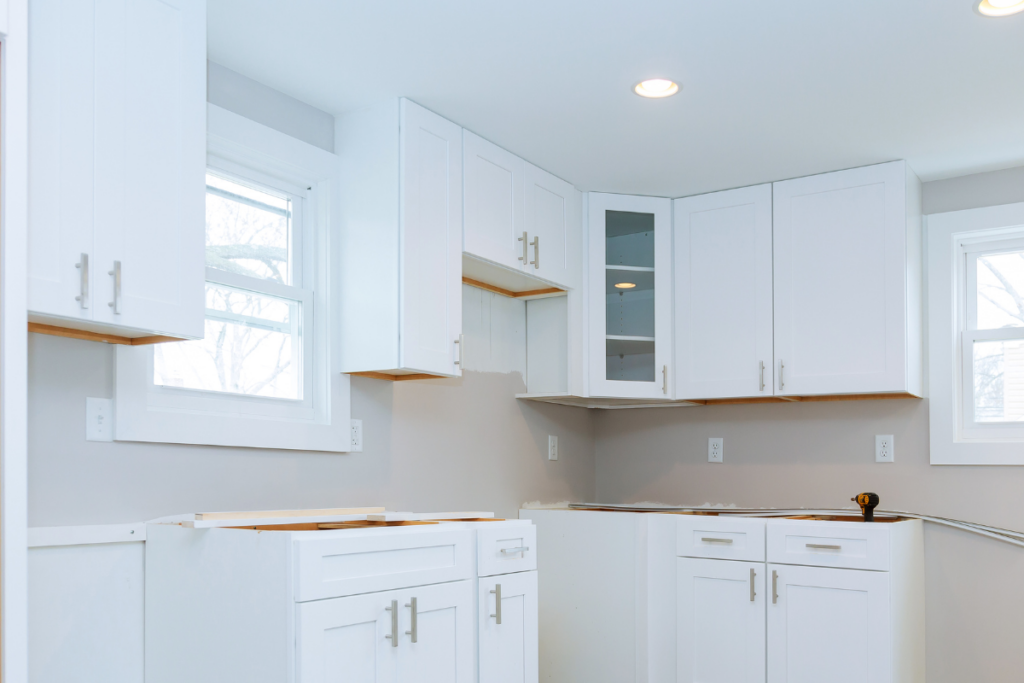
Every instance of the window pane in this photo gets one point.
(999, 381)
(1001, 291)
(247, 231)
(252, 346)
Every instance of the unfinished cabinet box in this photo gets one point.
(117, 162)
(399, 258)
(402, 604)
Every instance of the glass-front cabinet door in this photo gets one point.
(630, 296)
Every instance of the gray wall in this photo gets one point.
(460, 444)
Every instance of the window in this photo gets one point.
(255, 310)
(262, 375)
(976, 335)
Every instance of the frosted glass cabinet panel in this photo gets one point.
(630, 282)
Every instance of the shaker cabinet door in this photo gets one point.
(723, 294)
(494, 201)
(508, 637)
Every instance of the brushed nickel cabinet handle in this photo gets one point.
(717, 540)
(782, 384)
(664, 379)
(83, 276)
(461, 341)
(753, 594)
(412, 605)
(513, 551)
(393, 636)
(820, 546)
(762, 375)
(116, 273)
(775, 586)
(497, 603)
(524, 258)
(536, 251)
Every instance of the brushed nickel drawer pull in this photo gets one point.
(393, 636)
(727, 541)
(514, 551)
(412, 604)
(819, 546)
(497, 603)
(752, 593)
(775, 587)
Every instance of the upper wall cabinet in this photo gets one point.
(495, 186)
(517, 217)
(847, 253)
(723, 294)
(117, 158)
(630, 278)
(399, 247)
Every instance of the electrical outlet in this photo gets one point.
(99, 419)
(552, 447)
(715, 446)
(885, 448)
(357, 437)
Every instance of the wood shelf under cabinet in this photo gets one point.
(87, 335)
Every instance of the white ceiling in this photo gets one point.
(772, 89)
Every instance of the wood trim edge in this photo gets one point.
(508, 292)
(67, 332)
(395, 378)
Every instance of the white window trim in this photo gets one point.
(949, 237)
(147, 412)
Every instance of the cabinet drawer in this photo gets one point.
(846, 545)
(506, 549)
(723, 538)
(350, 562)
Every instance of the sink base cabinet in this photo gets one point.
(353, 636)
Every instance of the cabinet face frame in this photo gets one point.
(723, 265)
(730, 628)
(789, 618)
(866, 256)
(661, 209)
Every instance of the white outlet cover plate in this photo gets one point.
(357, 437)
(99, 419)
(715, 446)
(552, 447)
(885, 448)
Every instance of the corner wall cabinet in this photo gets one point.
(399, 255)
(117, 162)
(630, 289)
(752, 601)
(447, 603)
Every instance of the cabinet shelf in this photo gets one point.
(635, 269)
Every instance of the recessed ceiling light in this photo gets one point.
(625, 285)
(999, 8)
(660, 87)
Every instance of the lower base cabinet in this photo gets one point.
(828, 625)
(423, 634)
(507, 618)
(721, 621)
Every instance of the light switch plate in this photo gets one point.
(356, 445)
(885, 448)
(715, 446)
(552, 447)
(99, 419)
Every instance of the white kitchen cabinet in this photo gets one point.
(421, 635)
(553, 227)
(399, 251)
(847, 271)
(723, 294)
(507, 618)
(828, 624)
(495, 213)
(721, 624)
(117, 145)
(405, 604)
(630, 291)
